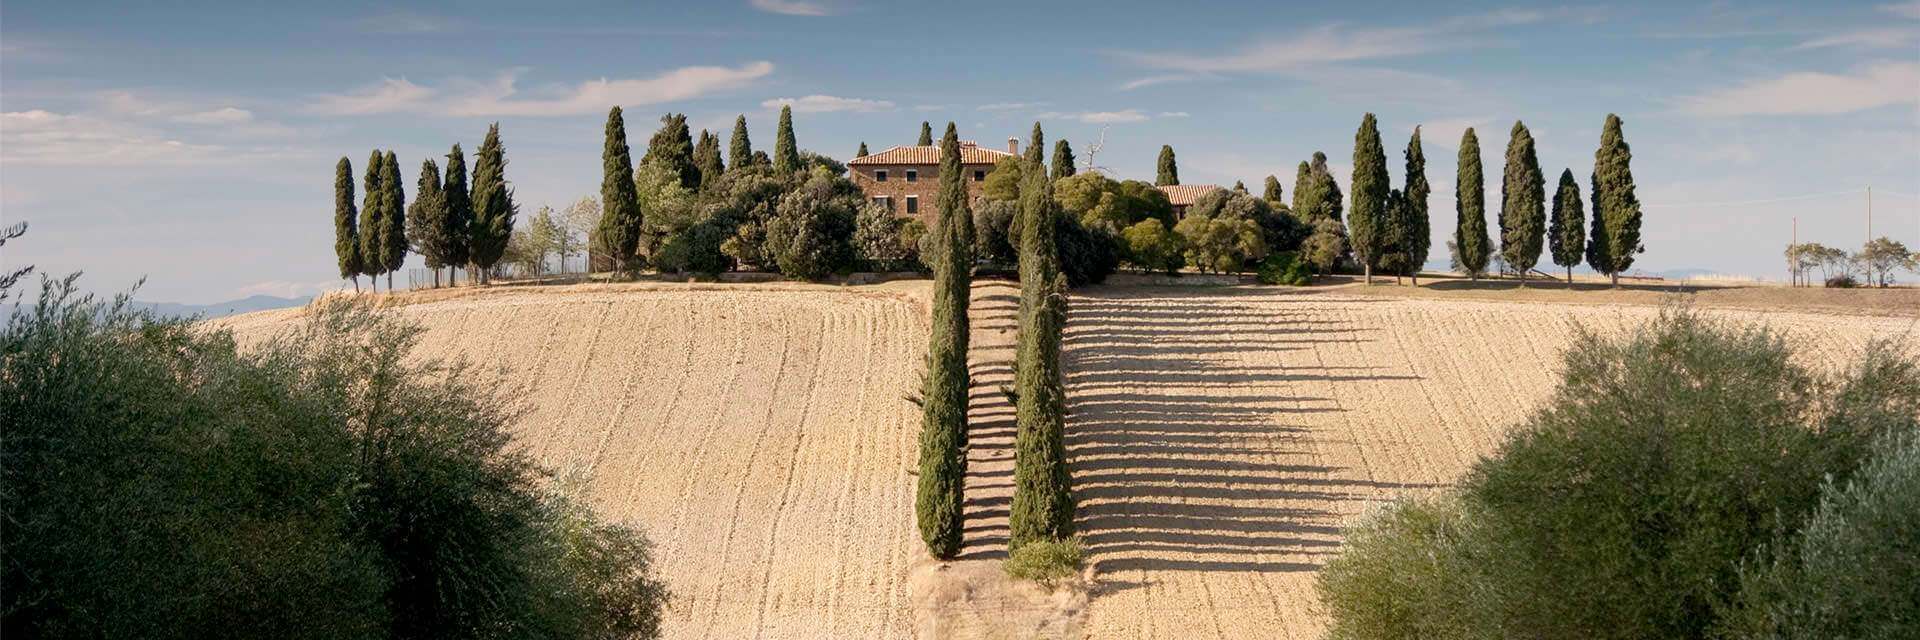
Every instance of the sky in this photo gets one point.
(193, 144)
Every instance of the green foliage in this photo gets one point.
(427, 218)
(1099, 202)
(1042, 507)
(883, 241)
(1272, 194)
(1037, 149)
(1003, 182)
(1087, 254)
(533, 242)
(1062, 160)
(1616, 210)
(493, 206)
(706, 158)
(1280, 230)
(810, 161)
(373, 212)
(1523, 207)
(393, 225)
(926, 134)
(1415, 229)
(1367, 226)
(1285, 267)
(672, 147)
(810, 236)
(1567, 229)
(1881, 256)
(1323, 248)
(786, 152)
(1316, 195)
(1395, 227)
(1167, 170)
(621, 220)
(696, 249)
(943, 431)
(1151, 246)
(1624, 507)
(862, 153)
(1223, 244)
(346, 234)
(1047, 561)
(326, 483)
(1471, 246)
(993, 224)
(740, 147)
(459, 220)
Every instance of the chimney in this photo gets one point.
(1013, 146)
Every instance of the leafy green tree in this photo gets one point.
(1062, 159)
(1169, 171)
(672, 147)
(1042, 507)
(1470, 243)
(1316, 195)
(346, 234)
(459, 219)
(706, 157)
(1881, 256)
(1523, 210)
(493, 206)
(621, 220)
(1394, 223)
(1567, 231)
(811, 236)
(393, 227)
(993, 231)
(1616, 210)
(1221, 243)
(426, 219)
(883, 241)
(1279, 229)
(740, 148)
(1101, 203)
(1151, 246)
(1003, 182)
(862, 153)
(1367, 223)
(926, 134)
(786, 152)
(1324, 246)
(943, 431)
(1272, 193)
(1087, 254)
(1416, 231)
(373, 213)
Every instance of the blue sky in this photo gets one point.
(194, 145)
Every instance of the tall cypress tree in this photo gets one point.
(1062, 159)
(393, 228)
(346, 234)
(1470, 243)
(426, 219)
(1416, 236)
(1169, 173)
(1523, 206)
(740, 149)
(706, 158)
(786, 152)
(943, 429)
(459, 220)
(1042, 506)
(373, 210)
(926, 134)
(1369, 193)
(1616, 210)
(1037, 150)
(1272, 193)
(1391, 234)
(1567, 229)
(493, 207)
(672, 147)
(620, 216)
(1302, 191)
(862, 153)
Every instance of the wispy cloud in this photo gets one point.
(1335, 44)
(1099, 117)
(1141, 83)
(40, 137)
(826, 104)
(1809, 93)
(1174, 114)
(792, 7)
(403, 22)
(1009, 106)
(1908, 9)
(222, 115)
(502, 96)
(1892, 38)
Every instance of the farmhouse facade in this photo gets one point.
(906, 179)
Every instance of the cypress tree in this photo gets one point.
(372, 211)
(672, 147)
(706, 158)
(620, 216)
(493, 207)
(786, 152)
(1523, 207)
(1062, 159)
(1272, 193)
(1302, 194)
(1316, 195)
(458, 228)
(1416, 235)
(1037, 149)
(740, 149)
(346, 234)
(1567, 230)
(426, 219)
(862, 153)
(1169, 173)
(1370, 189)
(926, 134)
(943, 429)
(393, 228)
(1042, 506)
(1470, 242)
(1391, 232)
(1616, 210)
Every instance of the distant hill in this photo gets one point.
(222, 309)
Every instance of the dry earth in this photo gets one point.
(1219, 437)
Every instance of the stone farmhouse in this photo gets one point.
(1184, 195)
(906, 180)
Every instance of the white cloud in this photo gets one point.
(1335, 43)
(1863, 39)
(791, 7)
(1009, 106)
(929, 107)
(1174, 114)
(1140, 83)
(1098, 117)
(1908, 9)
(1810, 93)
(501, 97)
(223, 115)
(39, 137)
(824, 104)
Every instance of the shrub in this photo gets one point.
(1407, 572)
(886, 242)
(1322, 249)
(993, 232)
(1151, 246)
(1224, 244)
(1087, 255)
(810, 237)
(1047, 561)
(696, 250)
(1285, 268)
(1842, 281)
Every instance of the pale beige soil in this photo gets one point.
(1220, 436)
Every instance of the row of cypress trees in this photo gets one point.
(448, 223)
(943, 428)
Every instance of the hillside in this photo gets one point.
(1219, 436)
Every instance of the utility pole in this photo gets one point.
(1793, 257)
(1868, 266)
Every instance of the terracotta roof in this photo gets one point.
(1184, 195)
(930, 155)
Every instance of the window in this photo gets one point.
(880, 175)
(885, 202)
(913, 175)
(979, 175)
(913, 203)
